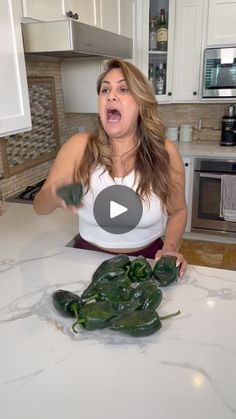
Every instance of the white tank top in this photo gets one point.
(150, 227)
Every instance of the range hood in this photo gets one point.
(70, 38)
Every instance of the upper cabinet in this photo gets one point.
(187, 50)
(44, 10)
(171, 38)
(85, 11)
(14, 103)
(155, 20)
(127, 18)
(112, 15)
(221, 28)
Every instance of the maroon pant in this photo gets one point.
(148, 252)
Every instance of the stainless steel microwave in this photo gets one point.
(219, 73)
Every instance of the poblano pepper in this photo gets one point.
(115, 262)
(165, 270)
(116, 276)
(72, 194)
(113, 292)
(67, 303)
(140, 269)
(95, 315)
(139, 323)
(148, 295)
(125, 306)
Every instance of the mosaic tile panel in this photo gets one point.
(26, 150)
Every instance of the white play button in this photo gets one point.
(116, 209)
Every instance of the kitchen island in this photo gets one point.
(185, 370)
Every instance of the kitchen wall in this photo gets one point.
(172, 115)
(68, 125)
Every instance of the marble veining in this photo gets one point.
(187, 369)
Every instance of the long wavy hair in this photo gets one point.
(151, 160)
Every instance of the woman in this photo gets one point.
(128, 148)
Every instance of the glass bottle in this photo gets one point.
(162, 32)
(152, 77)
(160, 80)
(152, 36)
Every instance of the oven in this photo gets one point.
(219, 73)
(207, 196)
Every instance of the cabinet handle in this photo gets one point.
(76, 16)
(194, 93)
(69, 14)
(186, 164)
(169, 93)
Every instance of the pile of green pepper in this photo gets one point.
(123, 295)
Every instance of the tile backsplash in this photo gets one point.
(172, 115)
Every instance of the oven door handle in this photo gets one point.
(210, 175)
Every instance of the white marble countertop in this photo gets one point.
(21, 229)
(206, 149)
(185, 370)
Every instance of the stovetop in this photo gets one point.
(27, 195)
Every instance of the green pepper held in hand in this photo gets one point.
(165, 270)
(95, 315)
(139, 323)
(140, 269)
(148, 295)
(71, 194)
(115, 262)
(67, 303)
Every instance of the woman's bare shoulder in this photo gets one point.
(78, 141)
(175, 156)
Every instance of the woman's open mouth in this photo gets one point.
(113, 115)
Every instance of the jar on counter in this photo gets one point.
(185, 133)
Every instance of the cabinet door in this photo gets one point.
(88, 10)
(14, 100)
(187, 55)
(152, 59)
(188, 164)
(110, 15)
(127, 18)
(44, 10)
(221, 23)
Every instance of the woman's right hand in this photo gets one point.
(61, 202)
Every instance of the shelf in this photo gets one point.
(157, 52)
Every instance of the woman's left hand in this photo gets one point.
(180, 261)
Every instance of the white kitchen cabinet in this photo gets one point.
(127, 16)
(14, 101)
(189, 171)
(149, 9)
(88, 11)
(110, 15)
(187, 50)
(221, 28)
(44, 10)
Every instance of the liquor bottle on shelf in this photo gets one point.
(152, 35)
(160, 80)
(162, 32)
(152, 77)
